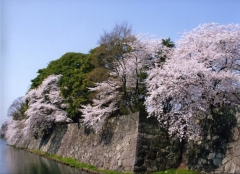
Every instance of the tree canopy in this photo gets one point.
(79, 71)
(202, 73)
(125, 89)
(181, 84)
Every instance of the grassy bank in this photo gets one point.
(92, 169)
(178, 171)
(75, 163)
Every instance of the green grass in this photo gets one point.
(74, 163)
(87, 167)
(178, 171)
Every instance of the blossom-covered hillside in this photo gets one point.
(191, 87)
(179, 84)
(45, 109)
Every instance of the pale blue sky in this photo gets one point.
(34, 32)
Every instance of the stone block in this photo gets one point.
(133, 142)
(118, 155)
(237, 152)
(126, 154)
(118, 147)
(237, 169)
(100, 158)
(113, 162)
(119, 162)
(211, 155)
(152, 169)
(227, 167)
(216, 161)
(148, 162)
(233, 168)
(128, 169)
(236, 160)
(151, 155)
(148, 136)
(128, 162)
(139, 169)
(145, 147)
(105, 154)
(139, 162)
(141, 153)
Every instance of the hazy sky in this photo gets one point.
(35, 32)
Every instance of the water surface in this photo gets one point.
(17, 161)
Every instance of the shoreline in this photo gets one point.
(87, 167)
(71, 162)
(44, 154)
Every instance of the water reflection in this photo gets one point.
(16, 161)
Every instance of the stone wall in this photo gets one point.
(112, 148)
(134, 143)
(156, 151)
(126, 143)
(231, 161)
(218, 148)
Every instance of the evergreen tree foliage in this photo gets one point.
(79, 71)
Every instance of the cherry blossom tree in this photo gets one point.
(129, 69)
(46, 100)
(105, 102)
(125, 87)
(14, 109)
(203, 72)
(45, 108)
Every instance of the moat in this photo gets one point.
(17, 161)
